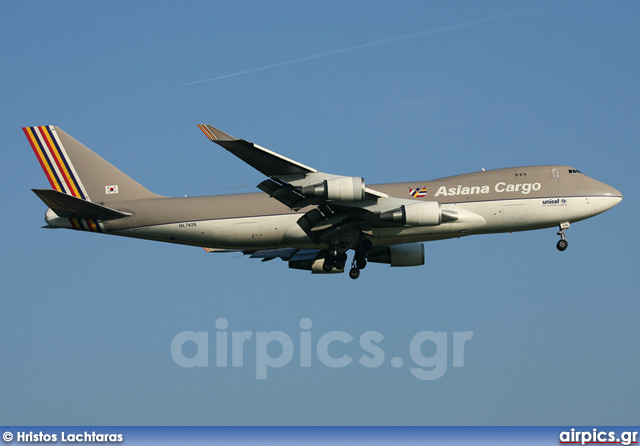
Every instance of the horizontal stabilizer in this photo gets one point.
(68, 206)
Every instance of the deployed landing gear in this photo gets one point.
(360, 258)
(334, 259)
(562, 243)
(359, 262)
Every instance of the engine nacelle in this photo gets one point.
(410, 254)
(424, 213)
(338, 189)
(315, 266)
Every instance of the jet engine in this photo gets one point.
(410, 254)
(425, 213)
(338, 189)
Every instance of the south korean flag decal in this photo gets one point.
(111, 189)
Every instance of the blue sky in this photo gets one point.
(87, 321)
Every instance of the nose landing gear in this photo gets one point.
(562, 243)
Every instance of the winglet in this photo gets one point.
(214, 134)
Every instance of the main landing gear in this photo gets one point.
(338, 259)
(562, 243)
(335, 259)
(360, 258)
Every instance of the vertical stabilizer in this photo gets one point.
(73, 169)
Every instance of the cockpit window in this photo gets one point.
(574, 171)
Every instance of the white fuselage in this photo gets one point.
(482, 217)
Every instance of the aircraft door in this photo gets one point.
(247, 233)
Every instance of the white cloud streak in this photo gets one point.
(429, 32)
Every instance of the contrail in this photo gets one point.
(379, 42)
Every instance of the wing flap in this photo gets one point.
(287, 194)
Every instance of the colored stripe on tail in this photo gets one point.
(54, 161)
(84, 224)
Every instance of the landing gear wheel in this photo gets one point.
(327, 266)
(359, 261)
(562, 243)
(333, 259)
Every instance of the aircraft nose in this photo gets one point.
(606, 196)
(616, 193)
(600, 189)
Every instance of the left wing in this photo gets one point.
(340, 203)
(269, 163)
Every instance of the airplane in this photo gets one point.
(306, 217)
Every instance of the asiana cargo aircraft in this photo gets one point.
(309, 218)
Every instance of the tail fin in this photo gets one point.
(73, 169)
